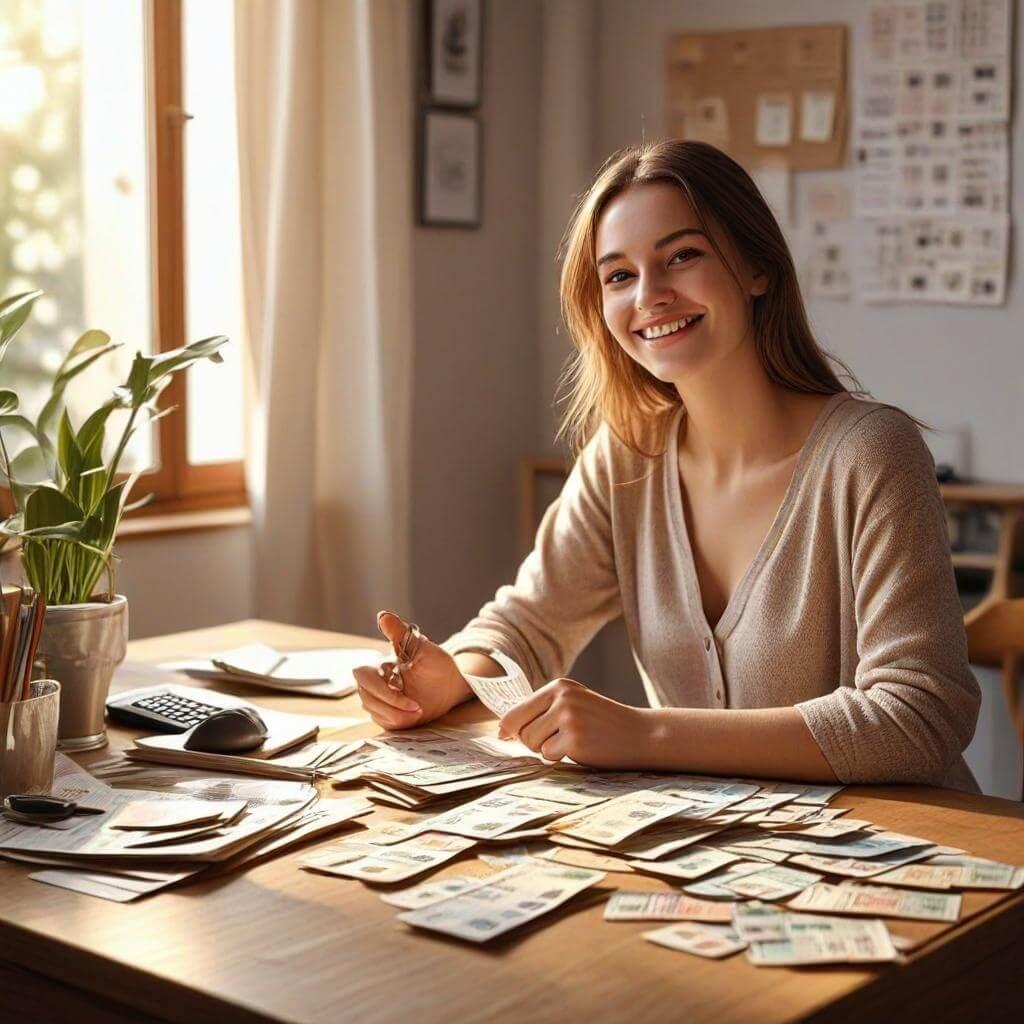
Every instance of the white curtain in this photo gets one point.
(326, 138)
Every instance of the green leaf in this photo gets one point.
(138, 378)
(55, 403)
(96, 424)
(69, 455)
(23, 423)
(29, 468)
(14, 312)
(47, 506)
(8, 401)
(179, 358)
(86, 343)
(62, 531)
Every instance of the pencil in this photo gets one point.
(38, 613)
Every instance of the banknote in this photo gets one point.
(922, 876)
(767, 800)
(582, 789)
(866, 846)
(509, 900)
(708, 791)
(713, 941)
(747, 852)
(394, 863)
(818, 794)
(851, 867)
(878, 901)
(689, 865)
(773, 883)
(664, 906)
(717, 886)
(758, 922)
(822, 829)
(587, 859)
(502, 694)
(621, 817)
(492, 815)
(433, 891)
(655, 844)
(979, 873)
(818, 940)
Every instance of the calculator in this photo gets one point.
(160, 709)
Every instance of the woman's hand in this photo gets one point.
(432, 681)
(565, 719)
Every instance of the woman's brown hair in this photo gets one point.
(602, 383)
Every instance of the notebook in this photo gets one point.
(316, 673)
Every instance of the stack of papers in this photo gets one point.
(316, 673)
(146, 841)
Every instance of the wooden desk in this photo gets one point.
(278, 944)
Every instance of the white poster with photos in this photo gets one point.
(932, 150)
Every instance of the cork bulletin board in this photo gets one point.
(765, 96)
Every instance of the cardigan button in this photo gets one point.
(718, 694)
(707, 643)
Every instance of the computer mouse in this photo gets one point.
(231, 731)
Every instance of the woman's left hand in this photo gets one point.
(565, 719)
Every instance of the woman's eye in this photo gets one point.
(615, 279)
(687, 254)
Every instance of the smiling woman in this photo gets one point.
(776, 545)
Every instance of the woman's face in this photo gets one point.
(669, 299)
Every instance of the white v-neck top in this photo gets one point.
(849, 610)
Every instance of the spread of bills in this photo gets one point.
(768, 867)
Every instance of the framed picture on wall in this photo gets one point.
(450, 172)
(455, 34)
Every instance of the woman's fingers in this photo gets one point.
(386, 715)
(555, 747)
(539, 731)
(393, 628)
(371, 681)
(525, 712)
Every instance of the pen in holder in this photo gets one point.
(28, 739)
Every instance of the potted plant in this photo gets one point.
(68, 498)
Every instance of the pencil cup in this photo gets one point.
(28, 740)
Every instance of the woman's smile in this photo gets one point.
(668, 334)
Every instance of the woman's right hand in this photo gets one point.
(433, 683)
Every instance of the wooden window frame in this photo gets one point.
(177, 485)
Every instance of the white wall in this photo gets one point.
(475, 370)
(186, 580)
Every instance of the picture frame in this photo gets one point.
(450, 169)
(455, 58)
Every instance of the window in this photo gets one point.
(119, 199)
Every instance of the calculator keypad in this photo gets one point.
(180, 710)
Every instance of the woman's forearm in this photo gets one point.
(763, 743)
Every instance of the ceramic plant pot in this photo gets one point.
(80, 646)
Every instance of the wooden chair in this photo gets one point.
(995, 634)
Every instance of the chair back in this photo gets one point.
(995, 633)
